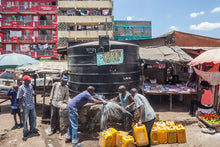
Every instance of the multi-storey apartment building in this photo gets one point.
(132, 30)
(83, 20)
(29, 27)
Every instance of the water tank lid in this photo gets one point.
(96, 43)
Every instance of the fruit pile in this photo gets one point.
(211, 118)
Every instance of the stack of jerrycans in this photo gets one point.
(105, 139)
(181, 134)
(140, 135)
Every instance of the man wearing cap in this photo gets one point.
(59, 96)
(27, 108)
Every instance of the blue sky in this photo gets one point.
(200, 17)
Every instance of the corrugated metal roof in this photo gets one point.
(164, 54)
(46, 65)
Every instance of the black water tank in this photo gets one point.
(84, 71)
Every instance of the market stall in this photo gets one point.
(162, 63)
(212, 75)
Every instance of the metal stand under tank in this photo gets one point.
(106, 71)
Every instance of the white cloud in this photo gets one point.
(215, 10)
(130, 17)
(195, 14)
(205, 26)
(174, 28)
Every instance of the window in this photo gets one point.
(35, 4)
(8, 47)
(26, 34)
(8, 18)
(35, 33)
(53, 17)
(17, 3)
(8, 5)
(35, 18)
(54, 3)
(26, 5)
(17, 47)
(115, 29)
(142, 29)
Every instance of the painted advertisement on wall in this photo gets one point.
(110, 58)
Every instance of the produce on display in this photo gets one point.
(211, 118)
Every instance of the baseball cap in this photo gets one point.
(64, 79)
(26, 77)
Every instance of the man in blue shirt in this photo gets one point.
(126, 100)
(73, 107)
(14, 105)
(27, 108)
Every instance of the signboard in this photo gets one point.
(160, 66)
(24, 48)
(110, 58)
(45, 8)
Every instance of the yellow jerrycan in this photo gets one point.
(180, 134)
(154, 136)
(170, 123)
(119, 137)
(162, 134)
(128, 141)
(140, 135)
(171, 134)
(113, 132)
(105, 139)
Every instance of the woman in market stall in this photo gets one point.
(206, 103)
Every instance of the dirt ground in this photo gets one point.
(13, 138)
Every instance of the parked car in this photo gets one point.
(6, 80)
(40, 81)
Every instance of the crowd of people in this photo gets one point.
(22, 104)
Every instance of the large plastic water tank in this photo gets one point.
(85, 69)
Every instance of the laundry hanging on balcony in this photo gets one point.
(105, 12)
(15, 33)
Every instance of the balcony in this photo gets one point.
(47, 38)
(83, 35)
(84, 19)
(31, 39)
(29, 24)
(103, 4)
(52, 53)
(43, 9)
(47, 24)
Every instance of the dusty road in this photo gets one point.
(13, 138)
